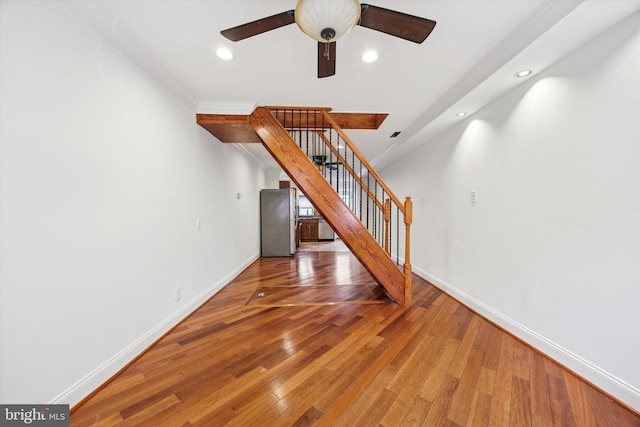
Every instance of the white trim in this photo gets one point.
(94, 15)
(539, 21)
(611, 384)
(226, 107)
(92, 381)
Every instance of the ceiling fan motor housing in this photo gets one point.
(328, 34)
(320, 18)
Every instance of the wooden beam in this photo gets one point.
(229, 127)
(237, 128)
(314, 119)
(365, 121)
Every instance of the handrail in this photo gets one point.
(364, 161)
(351, 175)
(334, 192)
(350, 169)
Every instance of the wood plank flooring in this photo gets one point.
(281, 296)
(434, 363)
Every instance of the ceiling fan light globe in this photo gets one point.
(314, 16)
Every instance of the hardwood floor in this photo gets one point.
(324, 246)
(434, 363)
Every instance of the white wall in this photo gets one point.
(551, 250)
(104, 176)
(272, 178)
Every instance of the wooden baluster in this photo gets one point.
(387, 218)
(408, 219)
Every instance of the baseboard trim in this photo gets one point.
(93, 381)
(618, 389)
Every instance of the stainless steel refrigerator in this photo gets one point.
(277, 222)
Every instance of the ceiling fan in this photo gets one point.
(328, 20)
(321, 163)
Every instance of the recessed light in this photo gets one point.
(461, 114)
(370, 56)
(224, 54)
(523, 73)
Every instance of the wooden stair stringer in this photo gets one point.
(330, 205)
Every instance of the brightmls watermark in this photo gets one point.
(34, 415)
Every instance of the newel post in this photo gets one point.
(408, 219)
(387, 219)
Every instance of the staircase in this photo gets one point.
(328, 168)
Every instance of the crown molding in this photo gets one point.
(107, 26)
(539, 21)
(226, 107)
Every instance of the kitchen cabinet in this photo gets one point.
(309, 230)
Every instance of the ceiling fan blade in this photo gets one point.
(326, 59)
(398, 24)
(260, 26)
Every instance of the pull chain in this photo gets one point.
(327, 34)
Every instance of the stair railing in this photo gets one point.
(339, 160)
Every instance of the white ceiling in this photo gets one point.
(468, 60)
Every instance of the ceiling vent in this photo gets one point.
(395, 134)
